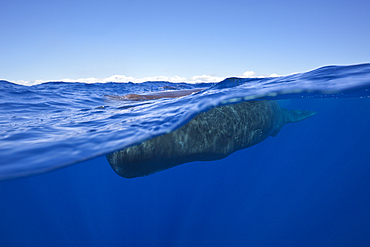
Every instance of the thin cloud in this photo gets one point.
(205, 78)
(126, 79)
(252, 74)
(248, 74)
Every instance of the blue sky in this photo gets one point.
(53, 40)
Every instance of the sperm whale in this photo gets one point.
(210, 135)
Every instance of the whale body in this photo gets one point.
(211, 135)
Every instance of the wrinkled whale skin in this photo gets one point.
(211, 135)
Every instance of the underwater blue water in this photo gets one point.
(308, 186)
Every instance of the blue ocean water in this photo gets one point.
(308, 186)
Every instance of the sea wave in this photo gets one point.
(51, 125)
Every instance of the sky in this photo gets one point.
(177, 40)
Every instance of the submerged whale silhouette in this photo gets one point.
(211, 135)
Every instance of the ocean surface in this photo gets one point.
(308, 186)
